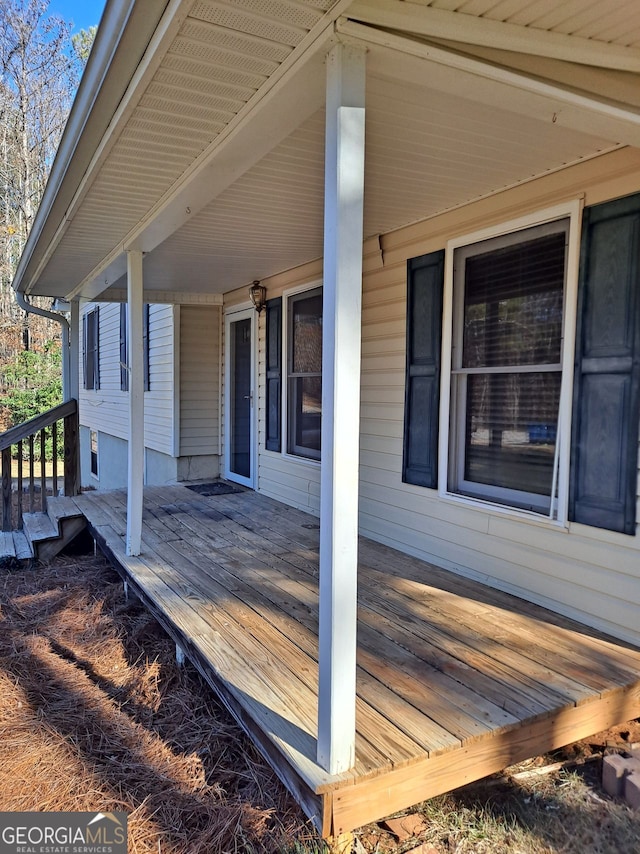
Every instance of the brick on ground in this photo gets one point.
(405, 826)
(632, 790)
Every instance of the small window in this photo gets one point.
(91, 348)
(93, 443)
(304, 373)
(506, 367)
(124, 362)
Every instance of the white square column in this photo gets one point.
(135, 357)
(342, 318)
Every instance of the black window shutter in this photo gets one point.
(145, 345)
(96, 347)
(273, 438)
(124, 373)
(606, 396)
(85, 353)
(425, 282)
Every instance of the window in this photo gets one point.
(91, 348)
(124, 363)
(304, 373)
(523, 372)
(93, 450)
(506, 367)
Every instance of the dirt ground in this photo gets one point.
(95, 715)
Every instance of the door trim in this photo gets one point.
(229, 318)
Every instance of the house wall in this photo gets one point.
(107, 408)
(182, 411)
(200, 391)
(588, 573)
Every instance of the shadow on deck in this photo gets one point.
(455, 680)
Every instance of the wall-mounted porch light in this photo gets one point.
(258, 294)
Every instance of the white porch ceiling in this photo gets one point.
(425, 152)
(234, 176)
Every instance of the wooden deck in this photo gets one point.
(455, 680)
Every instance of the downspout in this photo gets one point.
(64, 324)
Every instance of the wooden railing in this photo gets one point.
(22, 445)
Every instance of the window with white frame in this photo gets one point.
(508, 320)
(304, 373)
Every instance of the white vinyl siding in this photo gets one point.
(199, 380)
(588, 573)
(107, 408)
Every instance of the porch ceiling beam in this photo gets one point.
(470, 29)
(135, 452)
(495, 85)
(163, 297)
(342, 318)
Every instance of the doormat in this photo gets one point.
(217, 487)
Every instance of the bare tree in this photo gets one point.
(39, 71)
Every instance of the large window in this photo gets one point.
(527, 394)
(304, 373)
(506, 367)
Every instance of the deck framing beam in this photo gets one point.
(135, 353)
(342, 311)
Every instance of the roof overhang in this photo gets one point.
(197, 134)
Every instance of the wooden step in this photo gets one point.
(14, 549)
(7, 548)
(24, 552)
(60, 508)
(49, 533)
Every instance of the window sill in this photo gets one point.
(294, 458)
(501, 511)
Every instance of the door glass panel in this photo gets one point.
(240, 398)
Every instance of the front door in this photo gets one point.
(240, 420)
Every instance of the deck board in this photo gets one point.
(454, 681)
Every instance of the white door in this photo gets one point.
(240, 397)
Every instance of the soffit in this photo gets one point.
(611, 21)
(223, 54)
(426, 152)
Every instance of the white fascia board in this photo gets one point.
(474, 30)
(293, 93)
(404, 59)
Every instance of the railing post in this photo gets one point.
(6, 489)
(71, 431)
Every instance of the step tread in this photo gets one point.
(62, 507)
(7, 546)
(22, 546)
(38, 526)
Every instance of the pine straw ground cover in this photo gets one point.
(95, 715)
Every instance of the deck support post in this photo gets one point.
(135, 350)
(180, 656)
(342, 309)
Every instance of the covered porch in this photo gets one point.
(454, 680)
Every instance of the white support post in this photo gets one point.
(74, 350)
(342, 310)
(135, 469)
